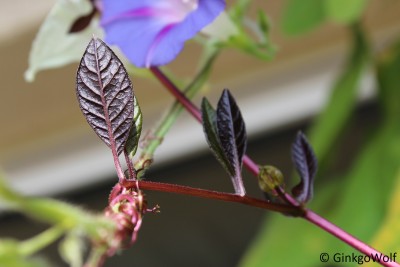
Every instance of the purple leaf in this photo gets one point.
(209, 121)
(306, 163)
(105, 94)
(232, 136)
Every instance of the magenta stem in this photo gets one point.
(346, 237)
(189, 106)
(253, 168)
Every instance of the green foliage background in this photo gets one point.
(359, 200)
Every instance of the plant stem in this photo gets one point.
(345, 237)
(40, 241)
(185, 102)
(253, 168)
(175, 110)
(203, 193)
(131, 169)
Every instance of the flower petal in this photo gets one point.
(148, 38)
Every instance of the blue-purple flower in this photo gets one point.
(153, 32)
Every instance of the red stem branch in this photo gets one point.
(203, 193)
(253, 168)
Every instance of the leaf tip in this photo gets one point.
(305, 161)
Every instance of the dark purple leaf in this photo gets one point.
(82, 22)
(306, 163)
(105, 94)
(209, 121)
(232, 135)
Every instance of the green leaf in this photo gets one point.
(387, 239)
(263, 22)
(136, 129)
(238, 10)
(345, 11)
(388, 66)
(53, 46)
(71, 249)
(210, 130)
(301, 16)
(342, 101)
(257, 43)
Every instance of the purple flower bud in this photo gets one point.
(153, 32)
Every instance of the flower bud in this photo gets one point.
(269, 178)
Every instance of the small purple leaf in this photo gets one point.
(306, 164)
(105, 95)
(232, 136)
(209, 121)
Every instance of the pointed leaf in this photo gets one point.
(136, 129)
(210, 131)
(306, 165)
(232, 135)
(105, 94)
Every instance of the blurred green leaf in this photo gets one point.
(345, 11)
(251, 36)
(388, 67)
(263, 23)
(72, 248)
(301, 16)
(239, 9)
(387, 239)
(53, 46)
(342, 101)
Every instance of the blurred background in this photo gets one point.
(47, 148)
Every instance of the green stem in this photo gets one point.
(97, 256)
(40, 241)
(54, 211)
(175, 110)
